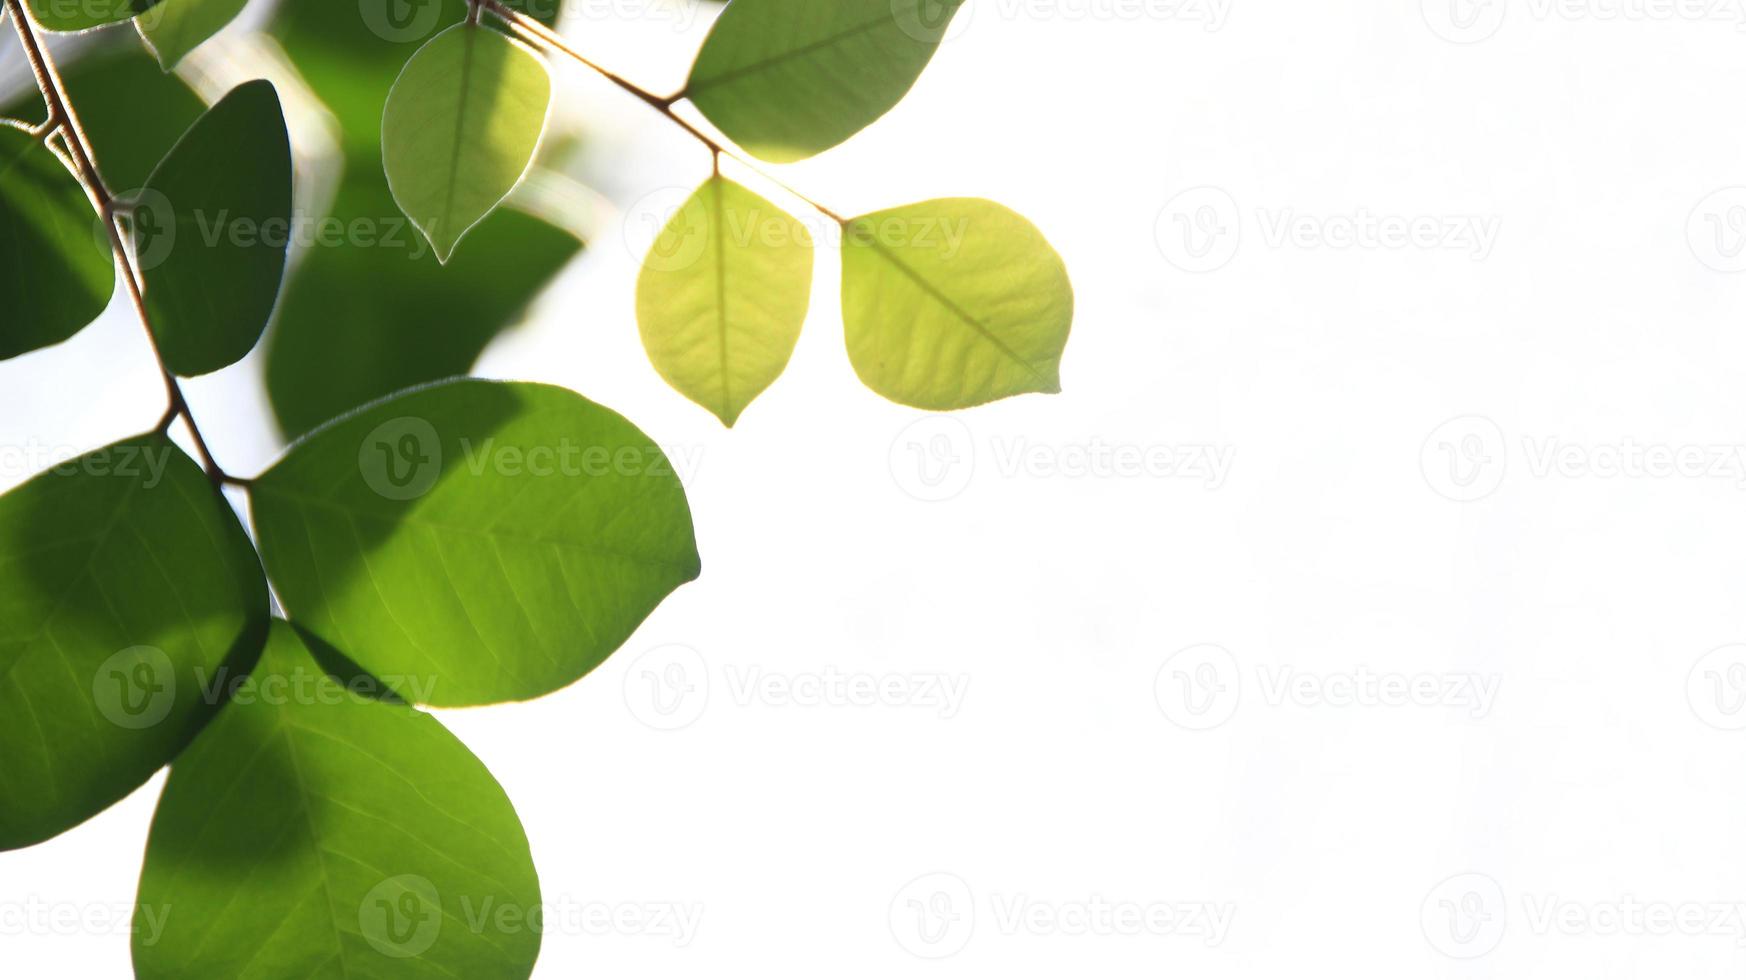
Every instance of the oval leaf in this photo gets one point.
(211, 230)
(313, 832)
(501, 538)
(460, 128)
(952, 303)
(82, 15)
(722, 296)
(54, 273)
(126, 583)
(175, 27)
(788, 78)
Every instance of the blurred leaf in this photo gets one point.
(175, 27)
(211, 231)
(55, 272)
(952, 303)
(460, 129)
(359, 321)
(111, 86)
(311, 832)
(500, 539)
(722, 296)
(788, 78)
(82, 15)
(125, 583)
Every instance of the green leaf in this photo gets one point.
(503, 539)
(952, 303)
(82, 15)
(788, 78)
(722, 296)
(359, 321)
(125, 583)
(54, 272)
(111, 77)
(311, 832)
(460, 128)
(175, 27)
(211, 231)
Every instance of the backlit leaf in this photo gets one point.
(952, 303)
(211, 231)
(788, 78)
(460, 128)
(55, 273)
(82, 15)
(722, 296)
(126, 583)
(314, 832)
(503, 539)
(175, 27)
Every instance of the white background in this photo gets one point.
(1552, 546)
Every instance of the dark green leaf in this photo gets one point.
(788, 78)
(722, 296)
(212, 229)
(460, 129)
(952, 303)
(503, 539)
(54, 271)
(126, 582)
(312, 832)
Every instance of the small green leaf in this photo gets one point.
(722, 296)
(54, 272)
(211, 231)
(313, 832)
(460, 128)
(788, 78)
(952, 303)
(503, 539)
(175, 27)
(125, 584)
(82, 15)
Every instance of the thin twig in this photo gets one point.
(536, 33)
(64, 120)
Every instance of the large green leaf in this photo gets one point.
(722, 296)
(473, 542)
(175, 27)
(952, 303)
(311, 832)
(211, 231)
(109, 80)
(82, 15)
(126, 583)
(55, 274)
(460, 128)
(788, 78)
(363, 319)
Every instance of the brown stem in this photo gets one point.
(536, 33)
(64, 120)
